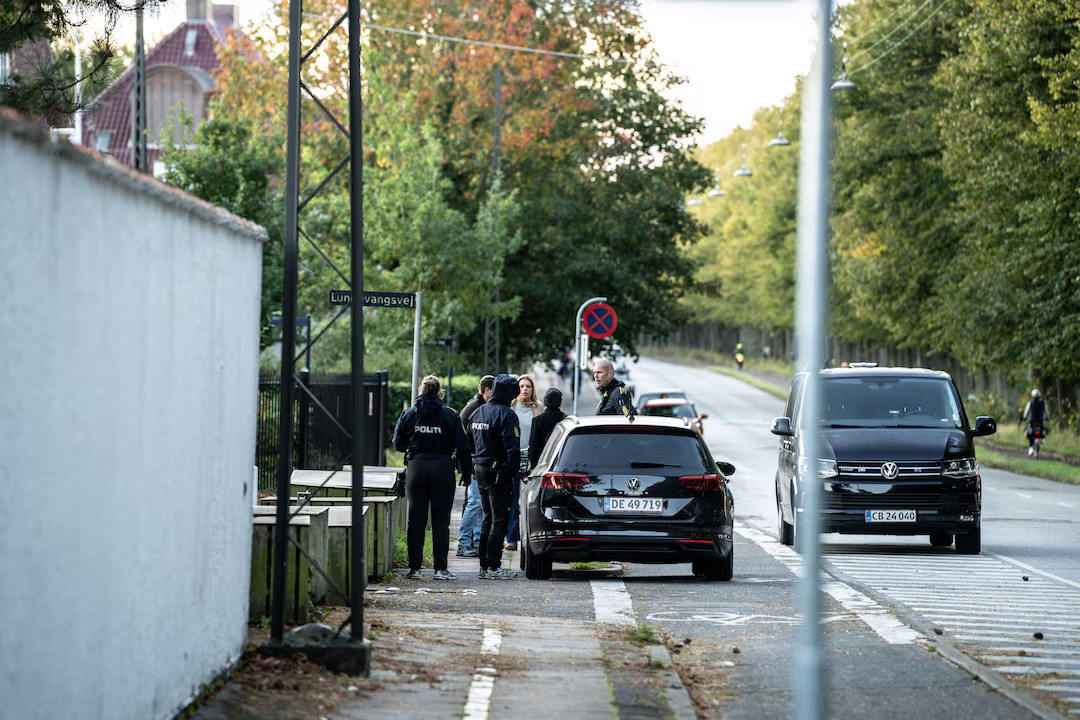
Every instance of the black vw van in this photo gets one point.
(897, 457)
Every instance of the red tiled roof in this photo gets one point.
(111, 111)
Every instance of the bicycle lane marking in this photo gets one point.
(877, 617)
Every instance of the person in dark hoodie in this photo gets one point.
(429, 433)
(495, 434)
(544, 423)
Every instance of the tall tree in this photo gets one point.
(1010, 129)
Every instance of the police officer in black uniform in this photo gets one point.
(429, 433)
(615, 398)
(495, 433)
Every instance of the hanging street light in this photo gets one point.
(780, 140)
(693, 201)
(716, 191)
(842, 82)
(743, 171)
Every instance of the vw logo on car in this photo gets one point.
(890, 470)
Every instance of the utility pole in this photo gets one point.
(138, 99)
(491, 325)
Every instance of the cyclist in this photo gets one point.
(1036, 415)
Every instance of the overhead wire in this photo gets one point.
(892, 32)
(500, 46)
(902, 40)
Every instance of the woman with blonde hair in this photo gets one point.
(526, 407)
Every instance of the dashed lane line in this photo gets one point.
(611, 602)
(478, 701)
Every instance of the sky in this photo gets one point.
(737, 55)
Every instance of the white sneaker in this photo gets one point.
(498, 574)
(414, 575)
(1031, 451)
(445, 575)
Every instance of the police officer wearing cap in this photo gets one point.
(429, 433)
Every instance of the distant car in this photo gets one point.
(642, 490)
(644, 397)
(622, 373)
(673, 408)
(897, 457)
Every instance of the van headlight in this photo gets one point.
(826, 467)
(962, 468)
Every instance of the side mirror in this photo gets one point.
(984, 426)
(726, 469)
(782, 426)
(703, 416)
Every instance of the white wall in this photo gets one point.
(129, 317)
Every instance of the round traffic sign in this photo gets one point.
(599, 320)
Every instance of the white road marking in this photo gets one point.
(1023, 495)
(1034, 570)
(478, 702)
(1065, 504)
(877, 618)
(612, 602)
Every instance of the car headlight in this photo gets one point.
(962, 468)
(826, 467)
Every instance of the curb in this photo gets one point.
(676, 694)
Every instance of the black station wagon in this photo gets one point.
(897, 457)
(639, 489)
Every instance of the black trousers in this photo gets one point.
(495, 487)
(429, 485)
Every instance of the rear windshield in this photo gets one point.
(675, 411)
(890, 402)
(631, 451)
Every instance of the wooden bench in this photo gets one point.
(303, 585)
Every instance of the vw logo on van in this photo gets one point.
(890, 470)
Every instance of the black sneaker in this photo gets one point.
(413, 575)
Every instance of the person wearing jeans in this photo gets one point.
(472, 518)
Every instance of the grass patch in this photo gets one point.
(777, 392)
(1049, 469)
(401, 550)
(641, 634)
(591, 566)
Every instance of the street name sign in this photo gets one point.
(375, 299)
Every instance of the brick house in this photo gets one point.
(179, 70)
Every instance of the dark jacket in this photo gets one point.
(494, 427)
(615, 400)
(542, 425)
(429, 427)
(470, 408)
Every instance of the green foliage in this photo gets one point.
(955, 221)
(225, 162)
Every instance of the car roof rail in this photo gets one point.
(862, 365)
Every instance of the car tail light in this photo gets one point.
(564, 481)
(702, 483)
